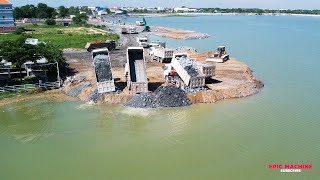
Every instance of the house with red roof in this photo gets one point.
(6, 17)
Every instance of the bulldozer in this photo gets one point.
(219, 56)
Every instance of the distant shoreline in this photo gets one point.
(218, 14)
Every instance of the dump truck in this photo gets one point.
(135, 70)
(103, 70)
(124, 31)
(143, 41)
(130, 30)
(157, 44)
(183, 72)
(220, 56)
(110, 44)
(139, 23)
(207, 69)
(163, 55)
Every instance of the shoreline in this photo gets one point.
(219, 14)
(233, 79)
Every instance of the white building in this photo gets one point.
(184, 9)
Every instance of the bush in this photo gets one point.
(51, 22)
(30, 80)
(19, 30)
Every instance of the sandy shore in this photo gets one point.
(155, 30)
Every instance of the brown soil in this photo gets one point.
(233, 79)
(178, 34)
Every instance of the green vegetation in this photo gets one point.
(8, 95)
(50, 22)
(63, 37)
(30, 11)
(80, 19)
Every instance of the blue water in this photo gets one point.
(232, 139)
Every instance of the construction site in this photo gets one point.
(142, 74)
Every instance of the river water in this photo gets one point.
(232, 139)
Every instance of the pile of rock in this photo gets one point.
(165, 96)
(77, 90)
(102, 68)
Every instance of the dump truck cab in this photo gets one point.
(143, 41)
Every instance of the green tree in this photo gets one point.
(51, 22)
(74, 10)
(80, 19)
(63, 12)
(18, 52)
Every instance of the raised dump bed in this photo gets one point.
(162, 54)
(136, 74)
(103, 70)
(207, 69)
(183, 72)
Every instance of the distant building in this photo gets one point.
(6, 17)
(184, 9)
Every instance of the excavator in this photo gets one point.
(219, 56)
(146, 27)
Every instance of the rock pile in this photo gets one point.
(102, 68)
(77, 90)
(165, 96)
(189, 65)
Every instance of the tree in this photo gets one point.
(51, 22)
(74, 10)
(63, 12)
(43, 11)
(18, 52)
(80, 19)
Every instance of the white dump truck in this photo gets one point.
(186, 72)
(132, 30)
(143, 41)
(140, 23)
(163, 55)
(135, 70)
(103, 70)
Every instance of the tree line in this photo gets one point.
(44, 11)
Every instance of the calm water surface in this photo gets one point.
(233, 139)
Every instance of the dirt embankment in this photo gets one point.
(233, 79)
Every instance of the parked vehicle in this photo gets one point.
(124, 30)
(135, 70)
(133, 30)
(103, 70)
(143, 41)
(139, 23)
(163, 55)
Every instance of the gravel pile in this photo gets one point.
(189, 65)
(166, 96)
(194, 90)
(77, 90)
(102, 68)
(94, 96)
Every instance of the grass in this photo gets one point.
(7, 95)
(64, 37)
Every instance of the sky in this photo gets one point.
(272, 4)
